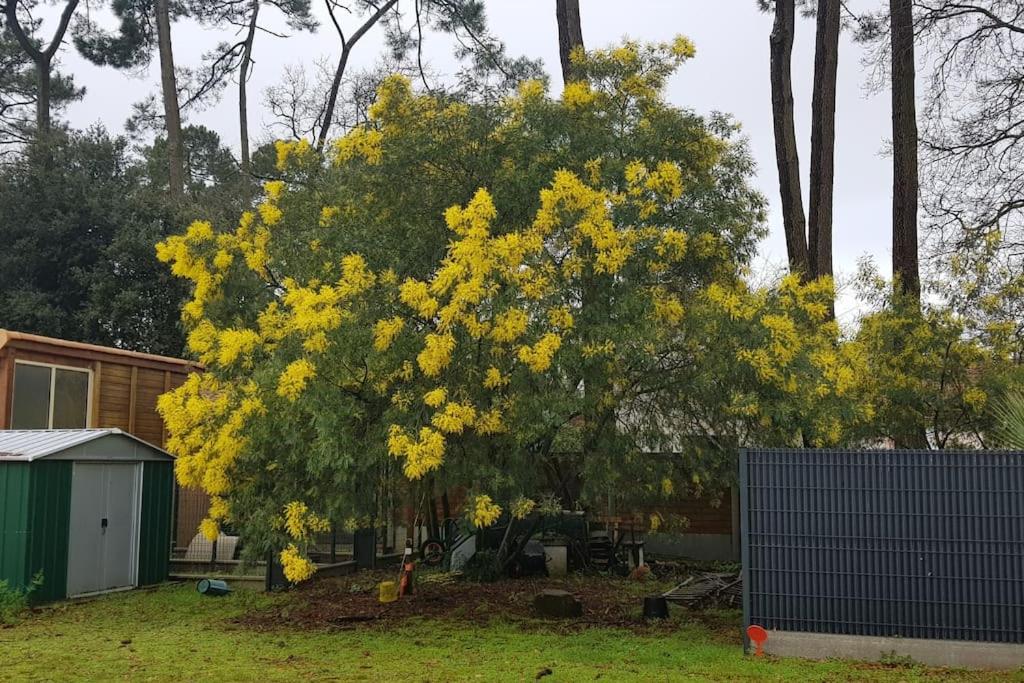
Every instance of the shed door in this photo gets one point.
(104, 527)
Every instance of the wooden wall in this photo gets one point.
(125, 390)
(705, 516)
(6, 386)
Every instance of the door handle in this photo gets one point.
(103, 524)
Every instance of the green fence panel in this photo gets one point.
(155, 531)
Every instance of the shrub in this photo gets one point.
(14, 601)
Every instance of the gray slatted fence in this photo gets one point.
(919, 544)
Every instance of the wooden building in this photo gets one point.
(48, 383)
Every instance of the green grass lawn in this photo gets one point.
(174, 634)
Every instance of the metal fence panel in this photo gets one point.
(916, 544)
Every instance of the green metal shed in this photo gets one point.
(89, 508)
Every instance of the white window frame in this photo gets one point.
(53, 385)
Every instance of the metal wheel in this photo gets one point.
(432, 552)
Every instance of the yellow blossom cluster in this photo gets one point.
(300, 522)
(590, 208)
(454, 418)
(297, 568)
(422, 455)
(187, 261)
(386, 331)
(293, 153)
(493, 379)
(484, 512)
(294, 379)
(436, 354)
(509, 325)
(416, 295)
(538, 357)
(561, 318)
(667, 306)
(522, 507)
(489, 422)
(206, 418)
(435, 397)
(360, 142)
(578, 94)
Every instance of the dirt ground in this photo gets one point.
(352, 602)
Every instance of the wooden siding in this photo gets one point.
(114, 396)
(192, 507)
(704, 515)
(124, 389)
(6, 388)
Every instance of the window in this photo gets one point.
(49, 397)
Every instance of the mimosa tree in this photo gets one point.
(537, 295)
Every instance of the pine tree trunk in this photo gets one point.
(904, 151)
(43, 79)
(172, 114)
(786, 154)
(42, 58)
(570, 34)
(823, 138)
(243, 76)
(346, 49)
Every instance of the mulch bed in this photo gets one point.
(352, 602)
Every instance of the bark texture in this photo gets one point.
(823, 138)
(243, 77)
(172, 112)
(904, 151)
(786, 155)
(570, 34)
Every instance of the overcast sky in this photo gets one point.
(729, 74)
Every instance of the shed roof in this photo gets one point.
(27, 445)
(9, 338)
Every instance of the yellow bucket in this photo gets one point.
(388, 591)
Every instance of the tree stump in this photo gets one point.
(557, 604)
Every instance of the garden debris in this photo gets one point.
(350, 619)
(608, 601)
(640, 573)
(439, 578)
(558, 604)
(703, 590)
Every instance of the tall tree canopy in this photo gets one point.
(78, 221)
(437, 299)
(20, 107)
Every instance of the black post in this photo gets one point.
(364, 548)
(275, 579)
(744, 546)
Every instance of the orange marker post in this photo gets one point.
(757, 636)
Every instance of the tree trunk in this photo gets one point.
(570, 34)
(332, 99)
(786, 154)
(904, 151)
(346, 49)
(172, 113)
(43, 77)
(42, 58)
(243, 76)
(823, 138)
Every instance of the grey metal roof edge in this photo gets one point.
(93, 435)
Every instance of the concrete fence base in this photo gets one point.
(946, 653)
